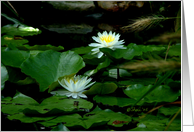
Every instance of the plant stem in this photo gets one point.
(118, 76)
(172, 119)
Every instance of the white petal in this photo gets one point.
(97, 39)
(74, 95)
(95, 49)
(89, 85)
(100, 54)
(94, 45)
(114, 34)
(82, 95)
(99, 34)
(110, 33)
(95, 52)
(66, 87)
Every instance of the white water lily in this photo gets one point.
(75, 86)
(106, 40)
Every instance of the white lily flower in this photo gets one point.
(106, 40)
(75, 86)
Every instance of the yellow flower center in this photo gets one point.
(107, 38)
(73, 79)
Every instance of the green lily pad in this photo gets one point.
(101, 88)
(131, 51)
(60, 127)
(50, 106)
(155, 123)
(167, 111)
(17, 104)
(27, 80)
(14, 58)
(41, 47)
(113, 118)
(82, 50)
(69, 120)
(8, 39)
(175, 50)
(162, 93)
(115, 101)
(46, 67)
(27, 119)
(122, 73)
(4, 76)
(143, 81)
(20, 31)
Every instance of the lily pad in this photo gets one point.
(8, 39)
(111, 117)
(21, 31)
(82, 50)
(162, 93)
(101, 88)
(115, 101)
(131, 51)
(50, 106)
(14, 58)
(41, 47)
(175, 50)
(27, 119)
(46, 67)
(167, 111)
(143, 81)
(4, 76)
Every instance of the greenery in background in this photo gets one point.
(130, 85)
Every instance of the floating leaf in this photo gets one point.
(60, 127)
(4, 76)
(27, 80)
(8, 39)
(114, 101)
(106, 115)
(69, 120)
(27, 119)
(21, 31)
(82, 50)
(167, 111)
(154, 123)
(101, 88)
(14, 58)
(161, 93)
(131, 51)
(143, 81)
(46, 67)
(122, 73)
(175, 50)
(19, 102)
(41, 47)
(50, 106)
(92, 59)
